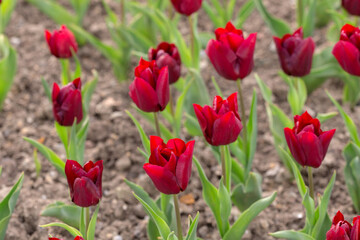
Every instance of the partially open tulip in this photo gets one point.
(220, 124)
(340, 229)
(231, 54)
(170, 164)
(77, 238)
(186, 7)
(295, 53)
(67, 104)
(167, 54)
(352, 6)
(307, 142)
(61, 42)
(346, 51)
(150, 89)
(84, 182)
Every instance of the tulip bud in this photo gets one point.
(167, 54)
(352, 6)
(67, 104)
(346, 51)
(150, 89)
(221, 124)
(170, 164)
(231, 54)
(77, 238)
(84, 182)
(186, 7)
(340, 229)
(307, 142)
(295, 53)
(61, 42)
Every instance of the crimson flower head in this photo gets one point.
(77, 238)
(167, 54)
(170, 164)
(84, 182)
(347, 50)
(351, 6)
(150, 89)
(61, 42)
(295, 53)
(186, 7)
(307, 142)
(220, 124)
(67, 104)
(340, 229)
(231, 54)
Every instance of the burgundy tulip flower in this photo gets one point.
(186, 7)
(231, 54)
(307, 142)
(76, 238)
(340, 229)
(352, 6)
(84, 182)
(150, 89)
(167, 54)
(221, 124)
(61, 42)
(295, 53)
(67, 104)
(170, 164)
(346, 51)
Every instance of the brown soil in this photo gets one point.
(113, 137)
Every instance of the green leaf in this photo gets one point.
(48, 154)
(69, 214)
(309, 20)
(88, 90)
(192, 125)
(225, 204)
(144, 138)
(82, 225)
(179, 108)
(217, 88)
(73, 145)
(237, 230)
(191, 235)
(91, 230)
(73, 231)
(6, 9)
(7, 205)
(245, 11)
(265, 90)
(62, 133)
(46, 89)
(37, 163)
(214, 17)
(323, 117)
(351, 154)
(292, 235)
(251, 133)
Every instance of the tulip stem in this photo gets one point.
(243, 116)
(171, 103)
(65, 73)
(192, 38)
(178, 217)
(311, 182)
(300, 12)
(223, 166)
(87, 219)
(157, 126)
(122, 12)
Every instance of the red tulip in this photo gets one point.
(167, 54)
(170, 164)
(150, 89)
(77, 238)
(61, 42)
(221, 124)
(340, 229)
(307, 142)
(67, 104)
(230, 53)
(186, 7)
(295, 53)
(352, 6)
(346, 51)
(84, 182)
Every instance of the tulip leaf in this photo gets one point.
(144, 138)
(349, 123)
(277, 26)
(7, 205)
(225, 205)
(179, 108)
(192, 125)
(292, 235)
(46, 89)
(162, 226)
(69, 214)
(73, 231)
(351, 154)
(245, 11)
(265, 90)
(81, 138)
(88, 90)
(63, 133)
(0, 170)
(6, 9)
(220, 10)
(217, 88)
(309, 205)
(48, 154)
(309, 20)
(152, 231)
(184, 51)
(251, 133)
(214, 17)
(172, 236)
(191, 235)
(323, 117)
(92, 224)
(237, 230)
(73, 145)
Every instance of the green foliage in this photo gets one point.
(68, 214)
(6, 9)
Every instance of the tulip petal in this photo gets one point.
(294, 146)
(245, 54)
(184, 165)
(177, 145)
(156, 158)
(72, 108)
(226, 129)
(73, 170)
(154, 142)
(201, 118)
(300, 61)
(325, 139)
(312, 148)
(163, 179)
(162, 87)
(85, 193)
(337, 218)
(143, 95)
(348, 57)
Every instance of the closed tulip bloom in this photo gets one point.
(352, 6)
(167, 54)
(220, 124)
(150, 89)
(340, 229)
(186, 7)
(231, 54)
(61, 42)
(76, 238)
(295, 53)
(84, 182)
(307, 142)
(67, 104)
(346, 51)
(170, 164)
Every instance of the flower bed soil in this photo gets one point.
(114, 138)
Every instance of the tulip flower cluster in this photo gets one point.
(342, 229)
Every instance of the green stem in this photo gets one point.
(65, 72)
(243, 115)
(178, 217)
(87, 220)
(223, 165)
(171, 103)
(157, 126)
(192, 38)
(68, 130)
(122, 12)
(311, 182)
(300, 13)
